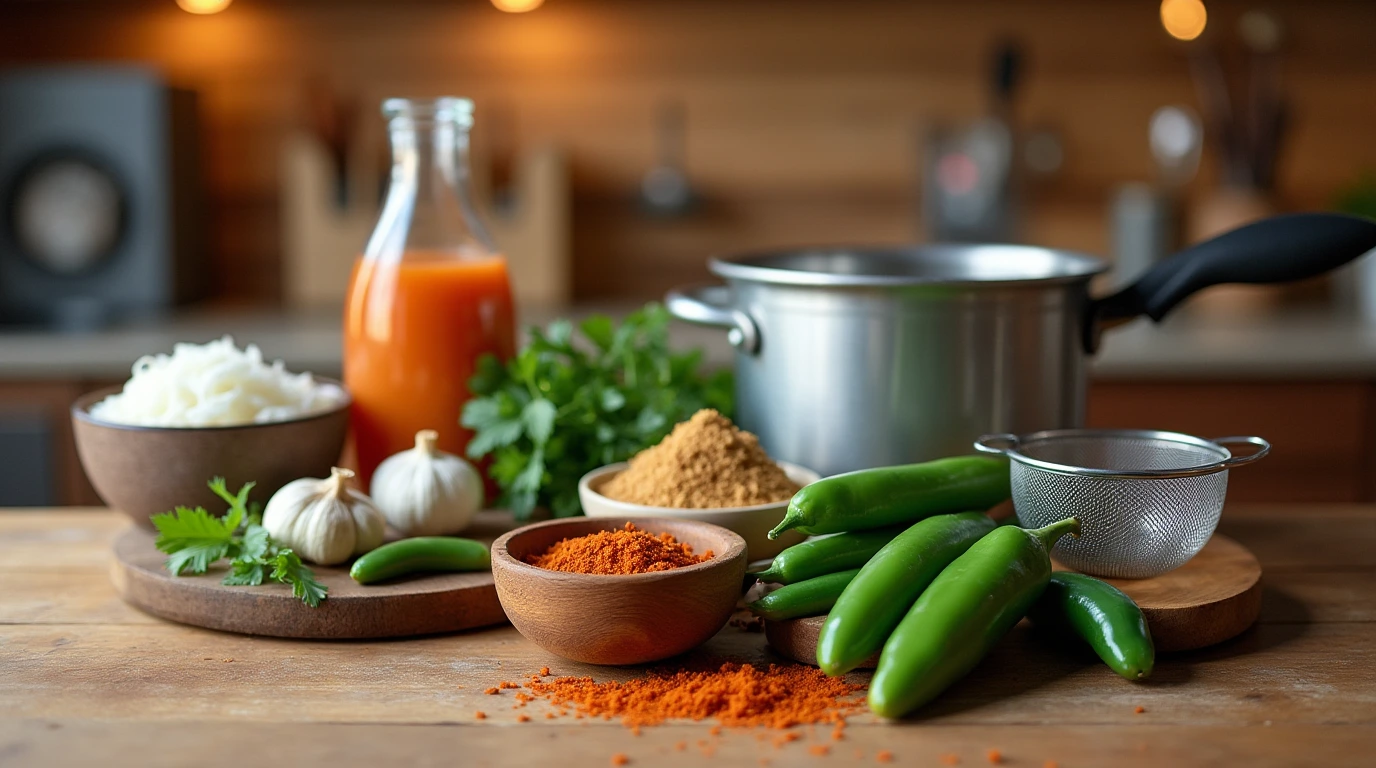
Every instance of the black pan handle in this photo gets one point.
(1275, 250)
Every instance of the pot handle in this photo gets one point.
(1275, 250)
(711, 305)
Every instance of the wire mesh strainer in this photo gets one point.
(1147, 501)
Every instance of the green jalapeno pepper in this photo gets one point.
(874, 498)
(818, 557)
(423, 553)
(876, 600)
(811, 597)
(962, 614)
(1101, 615)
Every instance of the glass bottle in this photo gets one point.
(430, 293)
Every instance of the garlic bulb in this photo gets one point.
(427, 492)
(325, 521)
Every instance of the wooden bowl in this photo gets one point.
(753, 523)
(630, 619)
(142, 471)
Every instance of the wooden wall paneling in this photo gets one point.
(1320, 431)
(792, 108)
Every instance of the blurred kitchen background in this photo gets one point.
(177, 169)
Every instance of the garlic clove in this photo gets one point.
(427, 492)
(324, 521)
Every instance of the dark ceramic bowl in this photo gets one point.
(142, 471)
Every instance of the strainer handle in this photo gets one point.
(990, 443)
(1263, 447)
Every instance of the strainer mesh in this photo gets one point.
(1131, 528)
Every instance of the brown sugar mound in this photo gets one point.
(705, 463)
(736, 695)
(623, 551)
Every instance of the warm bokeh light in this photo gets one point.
(517, 6)
(203, 6)
(1184, 19)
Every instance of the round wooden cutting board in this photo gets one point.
(426, 604)
(1212, 598)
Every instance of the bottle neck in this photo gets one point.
(429, 206)
(430, 161)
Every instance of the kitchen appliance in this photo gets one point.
(1147, 501)
(968, 175)
(665, 190)
(848, 358)
(99, 196)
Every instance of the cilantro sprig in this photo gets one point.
(194, 539)
(562, 407)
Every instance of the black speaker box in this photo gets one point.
(100, 196)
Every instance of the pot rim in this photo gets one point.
(1052, 267)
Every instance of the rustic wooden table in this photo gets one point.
(84, 679)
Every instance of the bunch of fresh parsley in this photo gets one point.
(561, 408)
(194, 539)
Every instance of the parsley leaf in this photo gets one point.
(245, 573)
(287, 568)
(255, 543)
(238, 503)
(194, 539)
(565, 405)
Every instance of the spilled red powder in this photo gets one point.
(735, 695)
(785, 738)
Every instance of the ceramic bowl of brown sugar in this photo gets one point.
(604, 614)
(708, 470)
(753, 522)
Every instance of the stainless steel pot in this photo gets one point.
(849, 358)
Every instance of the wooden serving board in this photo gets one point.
(423, 605)
(1212, 598)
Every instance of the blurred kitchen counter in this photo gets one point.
(1306, 381)
(1300, 345)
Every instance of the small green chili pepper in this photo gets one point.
(876, 600)
(962, 614)
(423, 553)
(1101, 615)
(874, 498)
(811, 597)
(818, 557)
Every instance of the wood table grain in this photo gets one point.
(87, 680)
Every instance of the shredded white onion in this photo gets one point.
(214, 385)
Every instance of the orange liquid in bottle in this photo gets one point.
(413, 333)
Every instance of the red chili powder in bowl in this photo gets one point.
(623, 551)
